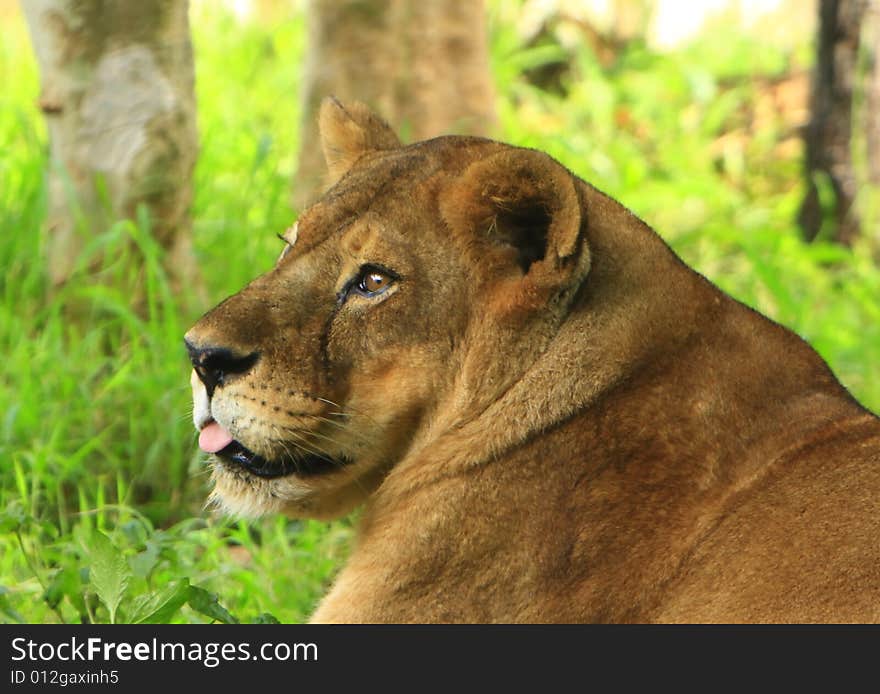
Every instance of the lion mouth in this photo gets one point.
(305, 465)
(214, 439)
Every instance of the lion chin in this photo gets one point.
(545, 414)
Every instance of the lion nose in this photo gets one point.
(214, 365)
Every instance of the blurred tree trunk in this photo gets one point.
(868, 116)
(117, 94)
(422, 64)
(843, 136)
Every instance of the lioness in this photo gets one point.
(549, 416)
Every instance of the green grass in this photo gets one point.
(100, 466)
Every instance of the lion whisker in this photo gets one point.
(300, 444)
(348, 410)
(301, 437)
(362, 437)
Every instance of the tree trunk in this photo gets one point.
(422, 64)
(117, 94)
(843, 136)
(868, 120)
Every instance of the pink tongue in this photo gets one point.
(214, 438)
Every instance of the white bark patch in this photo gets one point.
(127, 92)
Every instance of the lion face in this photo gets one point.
(397, 306)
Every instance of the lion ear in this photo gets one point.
(348, 131)
(525, 201)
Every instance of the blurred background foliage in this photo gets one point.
(701, 139)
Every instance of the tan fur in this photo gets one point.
(549, 416)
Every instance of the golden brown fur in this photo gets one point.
(548, 415)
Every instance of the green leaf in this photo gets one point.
(143, 563)
(64, 582)
(265, 618)
(7, 609)
(108, 573)
(161, 606)
(13, 517)
(208, 604)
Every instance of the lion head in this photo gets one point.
(414, 292)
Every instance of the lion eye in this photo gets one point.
(373, 281)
